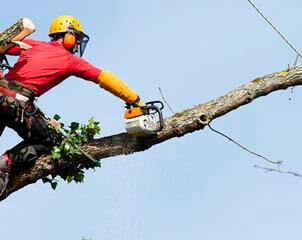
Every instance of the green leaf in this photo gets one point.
(85, 139)
(57, 117)
(74, 126)
(75, 136)
(54, 185)
(69, 179)
(98, 164)
(67, 147)
(56, 152)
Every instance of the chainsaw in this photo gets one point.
(144, 121)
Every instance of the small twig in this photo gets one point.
(279, 171)
(165, 100)
(87, 155)
(296, 60)
(275, 28)
(244, 148)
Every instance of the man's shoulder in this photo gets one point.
(75, 59)
(31, 41)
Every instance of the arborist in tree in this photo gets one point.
(37, 70)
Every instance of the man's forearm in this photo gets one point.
(117, 87)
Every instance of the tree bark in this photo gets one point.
(179, 124)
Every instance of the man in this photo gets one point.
(36, 71)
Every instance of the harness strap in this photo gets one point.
(13, 94)
(17, 88)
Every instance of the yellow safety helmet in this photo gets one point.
(69, 24)
(61, 24)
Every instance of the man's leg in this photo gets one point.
(25, 153)
(37, 139)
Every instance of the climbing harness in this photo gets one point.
(15, 96)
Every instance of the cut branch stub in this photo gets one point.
(16, 33)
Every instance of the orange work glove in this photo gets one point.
(117, 87)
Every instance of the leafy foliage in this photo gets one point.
(72, 137)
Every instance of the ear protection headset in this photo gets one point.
(69, 40)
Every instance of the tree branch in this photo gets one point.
(179, 124)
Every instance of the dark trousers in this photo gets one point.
(34, 129)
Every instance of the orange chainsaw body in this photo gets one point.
(133, 112)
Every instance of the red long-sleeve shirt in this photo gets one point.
(47, 64)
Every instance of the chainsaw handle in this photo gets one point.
(157, 109)
(152, 103)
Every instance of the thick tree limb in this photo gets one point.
(179, 124)
(15, 34)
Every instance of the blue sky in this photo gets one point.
(199, 186)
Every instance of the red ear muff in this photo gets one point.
(69, 40)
